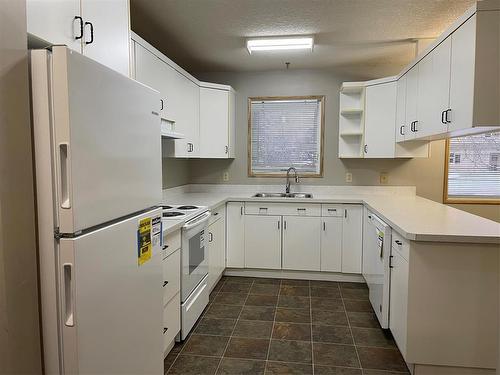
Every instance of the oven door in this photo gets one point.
(194, 254)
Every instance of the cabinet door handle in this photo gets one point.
(399, 243)
(401, 130)
(324, 226)
(415, 129)
(161, 100)
(447, 112)
(210, 237)
(80, 19)
(241, 210)
(165, 247)
(390, 261)
(284, 224)
(226, 149)
(91, 32)
(443, 114)
(278, 225)
(366, 149)
(345, 213)
(165, 283)
(165, 329)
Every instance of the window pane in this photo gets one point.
(473, 166)
(286, 133)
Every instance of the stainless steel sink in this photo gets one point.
(283, 195)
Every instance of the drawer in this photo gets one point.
(332, 210)
(217, 213)
(171, 242)
(401, 244)
(171, 321)
(276, 209)
(171, 276)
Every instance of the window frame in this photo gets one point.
(466, 200)
(321, 98)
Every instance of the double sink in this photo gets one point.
(283, 195)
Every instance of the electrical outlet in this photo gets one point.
(384, 178)
(225, 176)
(348, 177)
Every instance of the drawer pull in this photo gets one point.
(165, 247)
(332, 210)
(216, 213)
(301, 209)
(398, 242)
(165, 329)
(165, 283)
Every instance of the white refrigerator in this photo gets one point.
(98, 180)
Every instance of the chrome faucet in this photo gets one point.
(287, 186)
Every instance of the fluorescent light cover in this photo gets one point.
(276, 44)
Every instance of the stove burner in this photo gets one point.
(187, 208)
(166, 207)
(172, 214)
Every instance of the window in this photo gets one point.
(472, 172)
(285, 132)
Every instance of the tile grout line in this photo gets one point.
(234, 328)
(272, 328)
(350, 330)
(191, 333)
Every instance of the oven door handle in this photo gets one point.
(199, 220)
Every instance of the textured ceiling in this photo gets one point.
(358, 38)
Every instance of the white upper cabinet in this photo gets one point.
(56, 22)
(401, 127)
(380, 119)
(411, 102)
(217, 121)
(99, 29)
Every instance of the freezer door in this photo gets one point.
(111, 305)
(107, 143)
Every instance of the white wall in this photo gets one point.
(19, 326)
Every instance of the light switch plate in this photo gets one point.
(348, 177)
(225, 176)
(384, 178)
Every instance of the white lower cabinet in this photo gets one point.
(171, 275)
(352, 238)
(263, 241)
(171, 321)
(331, 244)
(235, 235)
(399, 300)
(301, 243)
(216, 252)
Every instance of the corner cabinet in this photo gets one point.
(217, 121)
(99, 29)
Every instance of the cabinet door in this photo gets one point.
(399, 300)
(263, 242)
(433, 90)
(411, 101)
(54, 21)
(214, 123)
(331, 244)
(151, 71)
(401, 127)
(380, 119)
(235, 235)
(110, 43)
(462, 75)
(301, 243)
(183, 97)
(216, 253)
(352, 238)
(232, 124)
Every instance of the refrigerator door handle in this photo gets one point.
(64, 181)
(69, 302)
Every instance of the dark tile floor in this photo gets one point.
(270, 326)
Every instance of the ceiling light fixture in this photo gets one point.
(280, 44)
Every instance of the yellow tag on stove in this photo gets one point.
(144, 245)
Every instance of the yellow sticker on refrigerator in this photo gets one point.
(144, 245)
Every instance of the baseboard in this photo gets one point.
(301, 275)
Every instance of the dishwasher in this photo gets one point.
(376, 264)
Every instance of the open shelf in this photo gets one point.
(351, 134)
(172, 135)
(352, 87)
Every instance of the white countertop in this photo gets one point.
(413, 217)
